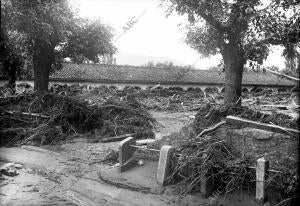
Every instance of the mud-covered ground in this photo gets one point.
(48, 179)
(44, 181)
(71, 179)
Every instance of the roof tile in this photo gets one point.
(121, 73)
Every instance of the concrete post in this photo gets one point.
(261, 177)
(164, 169)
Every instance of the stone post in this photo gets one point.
(164, 169)
(261, 177)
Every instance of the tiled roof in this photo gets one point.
(119, 73)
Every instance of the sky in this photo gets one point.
(154, 37)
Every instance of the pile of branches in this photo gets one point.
(50, 117)
(156, 99)
(127, 116)
(214, 160)
(208, 116)
(172, 100)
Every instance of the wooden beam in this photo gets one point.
(283, 75)
(117, 138)
(268, 127)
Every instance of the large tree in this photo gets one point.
(11, 54)
(90, 39)
(50, 26)
(240, 30)
(11, 59)
(279, 24)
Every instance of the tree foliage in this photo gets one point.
(52, 30)
(46, 21)
(276, 24)
(240, 30)
(165, 64)
(279, 24)
(11, 59)
(11, 51)
(89, 40)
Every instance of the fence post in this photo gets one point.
(262, 168)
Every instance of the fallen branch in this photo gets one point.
(209, 114)
(13, 129)
(268, 127)
(29, 114)
(284, 75)
(117, 138)
(208, 130)
(283, 107)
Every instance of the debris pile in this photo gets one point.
(209, 115)
(213, 158)
(49, 117)
(123, 117)
(171, 100)
(156, 99)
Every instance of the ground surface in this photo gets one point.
(62, 175)
(67, 179)
(75, 173)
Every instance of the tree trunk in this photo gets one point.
(234, 64)
(12, 76)
(42, 62)
(10, 68)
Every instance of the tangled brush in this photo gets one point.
(214, 159)
(209, 116)
(210, 159)
(49, 117)
(121, 117)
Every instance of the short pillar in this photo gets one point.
(261, 177)
(126, 153)
(164, 169)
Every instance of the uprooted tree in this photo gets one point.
(240, 30)
(53, 31)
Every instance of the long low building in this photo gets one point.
(120, 76)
